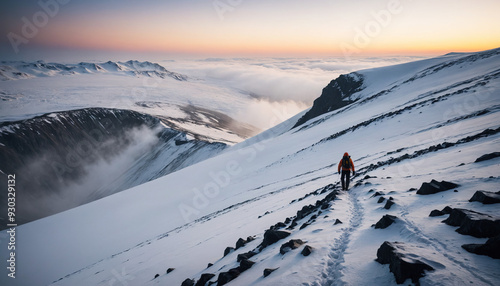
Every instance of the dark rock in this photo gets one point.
(447, 210)
(474, 223)
(292, 225)
(389, 204)
(307, 250)
(268, 271)
(402, 264)
(380, 200)
(170, 270)
(288, 220)
(210, 265)
(188, 282)
(228, 250)
(250, 238)
(205, 277)
(245, 264)
(436, 213)
(225, 277)
(325, 205)
(305, 211)
(156, 276)
(290, 245)
(377, 194)
(491, 248)
(435, 187)
(306, 224)
(278, 225)
(337, 221)
(385, 221)
(245, 256)
(486, 197)
(334, 96)
(272, 236)
(240, 243)
(487, 157)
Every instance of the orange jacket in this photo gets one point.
(346, 169)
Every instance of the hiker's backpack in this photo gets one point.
(346, 162)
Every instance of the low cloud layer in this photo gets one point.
(289, 84)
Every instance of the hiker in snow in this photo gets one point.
(346, 165)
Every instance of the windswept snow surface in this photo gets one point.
(185, 220)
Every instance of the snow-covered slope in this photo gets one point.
(194, 106)
(78, 156)
(407, 125)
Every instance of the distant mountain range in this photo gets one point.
(12, 70)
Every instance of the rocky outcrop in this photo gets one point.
(435, 187)
(290, 245)
(486, 197)
(486, 157)
(474, 223)
(402, 264)
(205, 277)
(385, 222)
(334, 96)
(491, 248)
(307, 250)
(188, 282)
(268, 271)
(272, 236)
(226, 277)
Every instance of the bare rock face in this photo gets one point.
(385, 221)
(486, 197)
(272, 236)
(491, 248)
(435, 187)
(474, 223)
(402, 264)
(290, 245)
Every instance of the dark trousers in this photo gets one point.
(345, 179)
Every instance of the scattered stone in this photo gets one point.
(435, 187)
(170, 270)
(188, 282)
(245, 256)
(272, 236)
(389, 204)
(435, 213)
(268, 271)
(337, 221)
(205, 277)
(402, 264)
(385, 221)
(156, 276)
(377, 194)
(225, 277)
(491, 248)
(487, 157)
(306, 224)
(290, 245)
(250, 238)
(278, 225)
(245, 264)
(486, 197)
(228, 250)
(447, 210)
(307, 250)
(380, 200)
(325, 205)
(474, 223)
(240, 243)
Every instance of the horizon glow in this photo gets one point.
(229, 28)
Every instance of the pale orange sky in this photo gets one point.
(293, 27)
